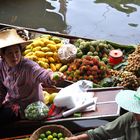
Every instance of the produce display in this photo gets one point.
(126, 79)
(88, 68)
(93, 48)
(44, 50)
(134, 62)
(92, 61)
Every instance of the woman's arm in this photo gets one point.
(45, 76)
(3, 92)
(79, 137)
(114, 129)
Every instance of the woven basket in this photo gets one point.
(53, 128)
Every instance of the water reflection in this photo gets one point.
(115, 20)
(126, 6)
(60, 8)
(34, 14)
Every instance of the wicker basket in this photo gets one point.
(53, 128)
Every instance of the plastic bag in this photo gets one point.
(36, 111)
(74, 95)
(67, 52)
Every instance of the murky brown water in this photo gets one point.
(115, 20)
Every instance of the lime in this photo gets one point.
(55, 76)
(48, 133)
(61, 138)
(42, 135)
(60, 135)
(54, 135)
(45, 139)
(55, 139)
(50, 137)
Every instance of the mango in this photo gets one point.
(52, 47)
(29, 47)
(27, 51)
(51, 59)
(48, 54)
(58, 65)
(47, 41)
(39, 54)
(45, 49)
(56, 39)
(52, 66)
(37, 48)
(63, 68)
(58, 45)
(43, 64)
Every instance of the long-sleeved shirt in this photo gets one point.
(22, 84)
(124, 126)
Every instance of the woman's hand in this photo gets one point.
(79, 137)
(57, 77)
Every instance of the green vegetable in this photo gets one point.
(77, 114)
(106, 82)
(127, 47)
(96, 85)
(36, 111)
(120, 66)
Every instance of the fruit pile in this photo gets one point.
(126, 79)
(96, 48)
(91, 62)
(88, 68)
(134, 62)
(49, 135)
(44, 50)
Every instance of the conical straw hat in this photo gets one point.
(10, 37)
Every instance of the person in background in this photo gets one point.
(125, 127)
(21, 79)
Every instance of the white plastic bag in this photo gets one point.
(73, 95)
(67, 52)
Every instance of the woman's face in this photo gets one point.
(12, 55)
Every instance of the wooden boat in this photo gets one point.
(106, 110)
(106, 100)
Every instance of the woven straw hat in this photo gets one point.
(10, 37)
(129, 100)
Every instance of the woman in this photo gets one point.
(20, 79)
(126, 127)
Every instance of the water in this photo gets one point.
(116, 20)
